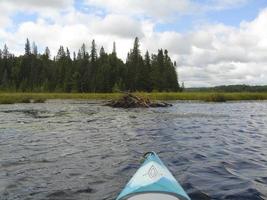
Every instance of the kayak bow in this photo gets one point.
(153, 181)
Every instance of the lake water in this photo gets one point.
(82, 150)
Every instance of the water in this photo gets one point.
(82, 150)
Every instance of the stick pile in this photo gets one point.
(132, 101)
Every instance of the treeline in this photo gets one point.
(230, 88)
(86, 70)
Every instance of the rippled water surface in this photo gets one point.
(82, 150)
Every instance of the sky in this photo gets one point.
(214, 42)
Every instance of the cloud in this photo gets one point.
(146, 7)
(160, 9)
(52, 35)
(217, 54)
(238, 55)
(118, 25)
(211, 5)
(48, 8)
(73, 33)
(4, 17)
(33, 4)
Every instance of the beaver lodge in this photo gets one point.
(132, 101)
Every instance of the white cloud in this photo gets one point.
(35, 5)
(146, 7)
(219, 54)
(161, 9)
(223, 4)
(73, 34)
(47, 8)
(118, 25)
(4, 19)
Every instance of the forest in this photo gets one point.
(87, 70)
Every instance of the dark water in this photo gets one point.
(82, 150)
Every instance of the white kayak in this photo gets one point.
(153, 181)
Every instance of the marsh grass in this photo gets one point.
(6, 99)
(217, 97)
(11, 98)
(207, 96)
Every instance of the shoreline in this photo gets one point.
(13, 97)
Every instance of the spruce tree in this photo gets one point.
(34, 49)
(114, 51)
(134, 64)
(79, 55)
(74, 56)
(68, 53)
(27, 48)
(5, 52)
(94, 67)
(47, 52)
(82, 52)
(93, 52)
(102, 52)
(87, 73)
(146, 74)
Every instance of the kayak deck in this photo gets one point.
(153, 196)
(153, 181)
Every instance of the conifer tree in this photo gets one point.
(83, 52)
(102, 52)
(93, 52)
(27, 48)
(5, 52)
(47, 52)
(68, 53)
(114, 51)
(34, 49)
(86, 72)
(134, 64)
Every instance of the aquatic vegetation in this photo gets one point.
(216, 98)
(6, 99)
(207, 96)
(10, 98)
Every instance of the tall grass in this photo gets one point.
(9, 98)
(207, 96)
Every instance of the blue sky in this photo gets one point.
(230, 16)
(213, 41)
(245, 12)
(178, 21)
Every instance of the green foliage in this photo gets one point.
(86, 72)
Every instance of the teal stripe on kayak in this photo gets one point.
(153, 176)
